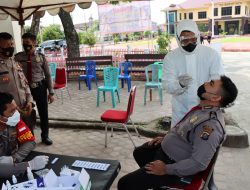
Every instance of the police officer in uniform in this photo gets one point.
(189, 146)
(12, 78)
(38, 75)
(16, 141)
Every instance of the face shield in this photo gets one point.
(187, 43)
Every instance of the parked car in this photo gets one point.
(53, 45)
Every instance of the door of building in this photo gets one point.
(232, 27)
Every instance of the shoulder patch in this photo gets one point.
(206, 132)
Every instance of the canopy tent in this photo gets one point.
(21, 10)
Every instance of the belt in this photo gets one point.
(36, 84)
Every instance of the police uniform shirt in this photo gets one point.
(13, 81)
(40, 68)
(193, 142)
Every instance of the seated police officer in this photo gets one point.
(16, 141)
(189, 146)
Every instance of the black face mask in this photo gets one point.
(27, 47)
(190, 47)
(7, 52)
(201, 90)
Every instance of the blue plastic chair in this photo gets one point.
(153, 81)
(125, 68)
(110, 84)
(52, 68)
(90, 69)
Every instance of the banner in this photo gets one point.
(125, 17)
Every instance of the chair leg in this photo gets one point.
(160, 94)
(96, 83)
(122, 83)
(118, 95)
(89, 83)
(129, 84)
(68, 93)
(79, 83)
(145, 95)
(134, 127)
(112, 130)
(104, 97)
(150, 94)
(98, 98)
(113, 99)
(62, 96)
(125, 126)
(106, 133)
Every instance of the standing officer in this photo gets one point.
(189, 146)
(12, 78)
(38, 75)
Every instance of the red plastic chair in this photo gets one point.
(198, 179)
(120, 116)
(61, 81)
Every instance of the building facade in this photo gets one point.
(230, 16)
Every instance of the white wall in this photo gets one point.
(14, 29)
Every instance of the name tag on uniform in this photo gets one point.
(4, 77)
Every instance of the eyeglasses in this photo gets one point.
(185, 40)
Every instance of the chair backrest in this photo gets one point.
(110, 76)
(131, 101)
(52, 68)
(60, 76)
(203, 175)
(160, 71)
(125, 68)
(154, 69)
(90, 67)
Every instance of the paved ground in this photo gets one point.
(231, 171)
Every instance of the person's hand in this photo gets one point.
(29, 108)
(6, 160)
(50, 98)
(185, 80)
(3, 121)
(39, 162)
(155, 141)
(157, 167)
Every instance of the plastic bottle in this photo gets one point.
(29, 174)
(14, 180)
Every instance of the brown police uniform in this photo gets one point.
(37, 72)
(10, 146)
(13, 81)
(186, 150)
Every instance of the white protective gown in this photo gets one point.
(203, 64)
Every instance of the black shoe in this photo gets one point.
(47, 141)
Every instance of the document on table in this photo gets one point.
(91, 165)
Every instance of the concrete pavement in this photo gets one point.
(231, 170)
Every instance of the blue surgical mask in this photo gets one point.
(14, 119)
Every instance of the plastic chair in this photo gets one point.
(205, 176)
(160, 71)
(125, 68)
(61, 81)
(120, 116)
(52, 68)
(153, 81)
(110, 84)
(90, 68)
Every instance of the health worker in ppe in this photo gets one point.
(187, 67)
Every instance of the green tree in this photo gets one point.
(52, 32)
(147, 34)
(88, 38)
(163, 41)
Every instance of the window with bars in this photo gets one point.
(237, 10)
(185, 15)
(225, 11)
(180, 16)
(202, 15)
